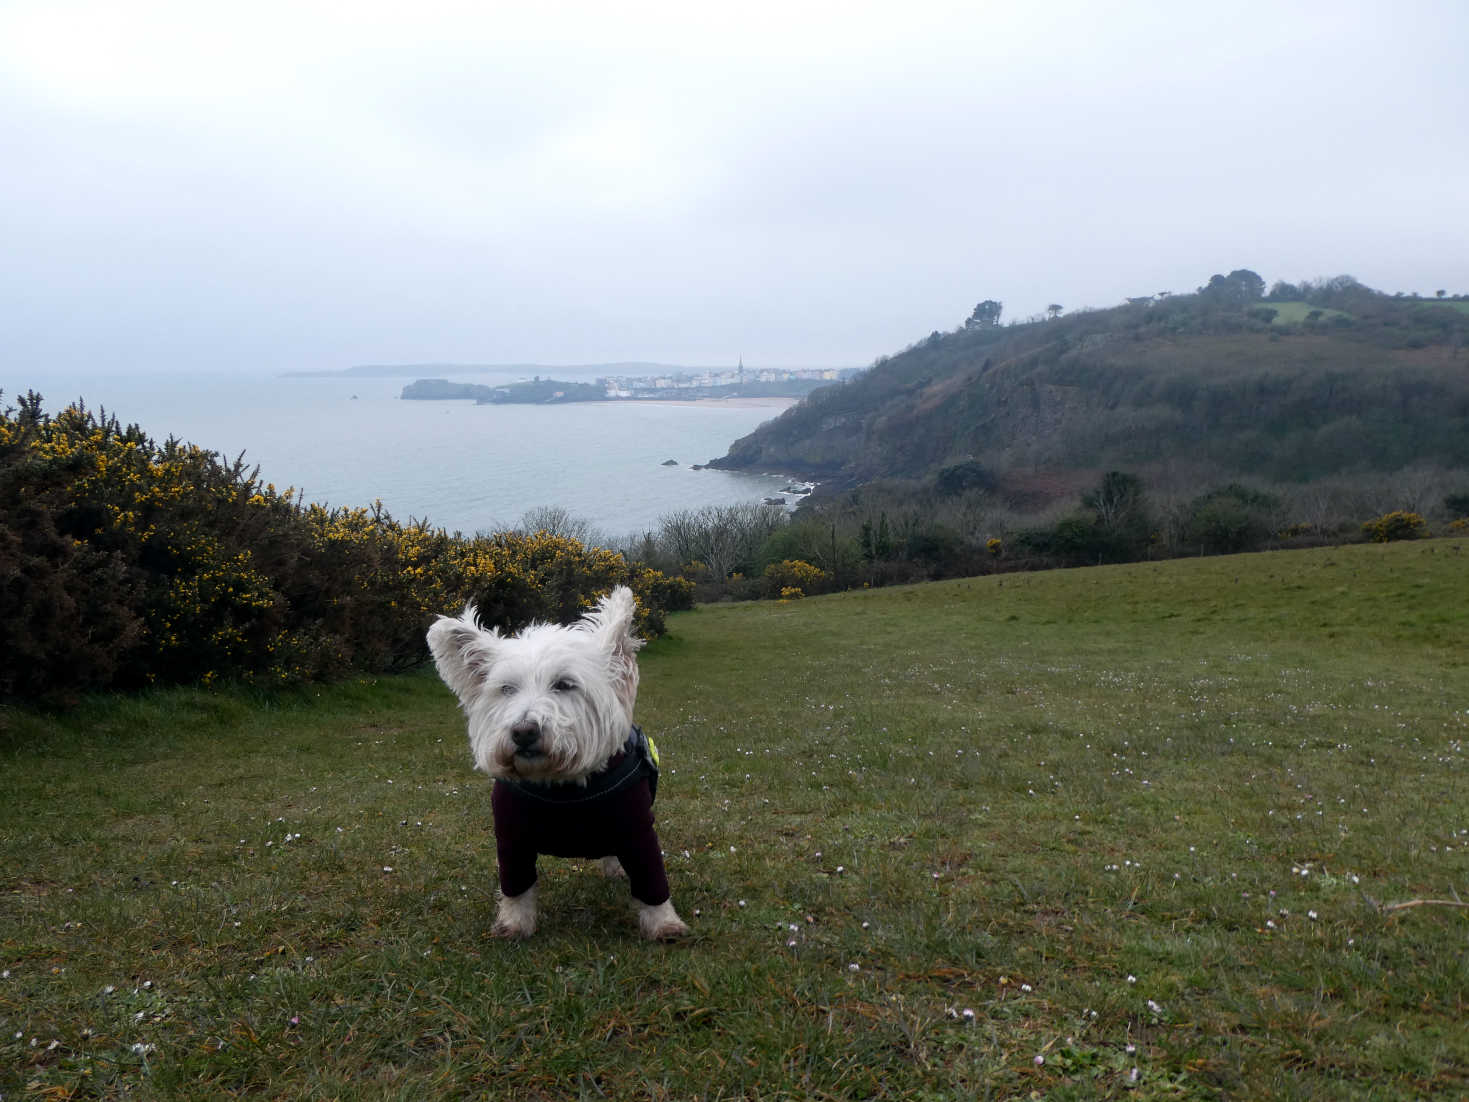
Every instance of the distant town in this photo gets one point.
(639, 386)
(715, 383)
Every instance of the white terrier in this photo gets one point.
(550, 718)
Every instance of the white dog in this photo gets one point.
(550, 718)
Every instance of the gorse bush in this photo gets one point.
(124, 563)
(517, 577)
(1397, 525)
(781, 578)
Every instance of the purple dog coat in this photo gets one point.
(611, 816)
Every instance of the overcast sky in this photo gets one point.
(212, 186)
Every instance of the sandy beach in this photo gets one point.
(731, 403)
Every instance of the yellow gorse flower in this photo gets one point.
(216, 575)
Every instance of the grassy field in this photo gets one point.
(1461, 306)
(1115, 832)
(1293, 313)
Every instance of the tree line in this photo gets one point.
(897, 532)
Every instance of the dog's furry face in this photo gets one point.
(550, 703)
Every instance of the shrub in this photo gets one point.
(67, 610)
(1229, 520)
(1397, 525)
(1123, 518)
(794, 574)
(1078, 539)
(124, 563)
(967, 475)
(515, 578)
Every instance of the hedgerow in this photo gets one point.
(124, 563)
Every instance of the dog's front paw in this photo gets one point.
(661, 922)
(511, 931)
(516, 917)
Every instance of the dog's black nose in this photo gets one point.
(525, 734)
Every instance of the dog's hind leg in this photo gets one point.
(612, 869)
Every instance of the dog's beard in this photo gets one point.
(557, 757)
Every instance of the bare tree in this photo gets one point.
(557, 520)
(722, 537)
(1321, 508)
(1418, 488)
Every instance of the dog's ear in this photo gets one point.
(463, 652)
(612, 623)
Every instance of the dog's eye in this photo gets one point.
(507, 689)
(564, 685)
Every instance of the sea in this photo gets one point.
(350, 440)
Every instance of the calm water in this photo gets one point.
(463, 467)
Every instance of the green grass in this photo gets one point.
(1461, 306)
(1293, 313)
(1005, 837)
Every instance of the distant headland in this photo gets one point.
(419, 370)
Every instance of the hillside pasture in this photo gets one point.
(1294, 313)
(1193, 829)
(1461, 305)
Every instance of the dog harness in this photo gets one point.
(612, 815)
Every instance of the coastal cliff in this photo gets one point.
(1338, 380)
